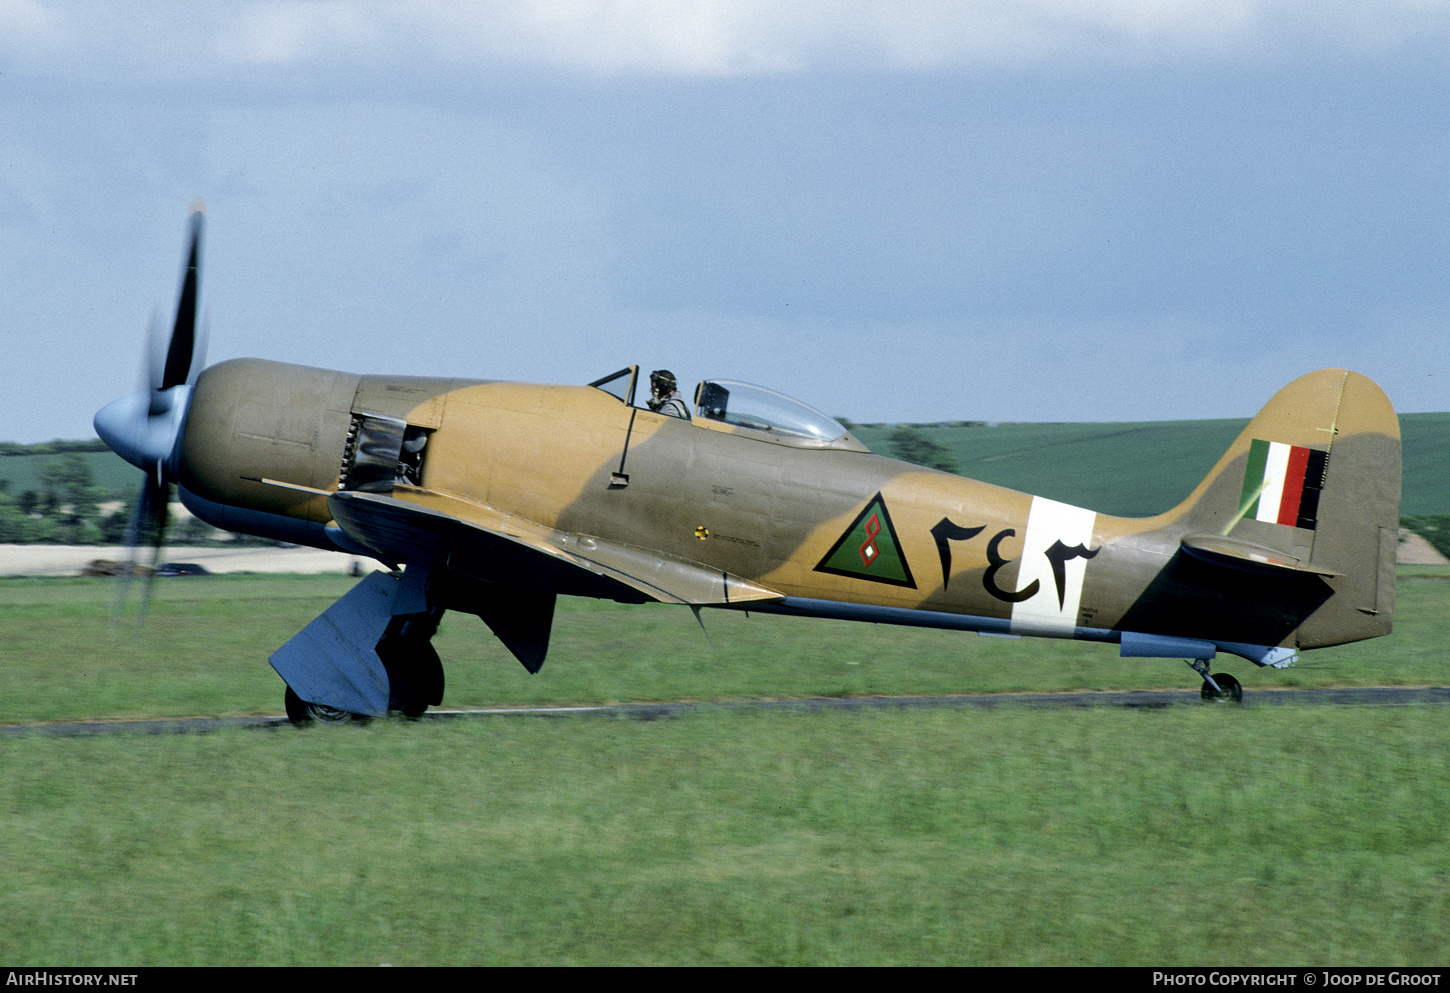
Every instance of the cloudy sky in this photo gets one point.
(1036, 210)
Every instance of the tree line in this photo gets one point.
(65, 509)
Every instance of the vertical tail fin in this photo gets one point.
(1311, 486)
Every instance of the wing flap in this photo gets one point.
(488, 544)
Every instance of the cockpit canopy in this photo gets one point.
(726, 404)
(761, 409)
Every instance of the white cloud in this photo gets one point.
(25, 17)
(733, 37)
(280, 33)
(167, 39)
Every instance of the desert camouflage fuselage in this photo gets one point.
(508, 492)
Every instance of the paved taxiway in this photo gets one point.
(1364, 697)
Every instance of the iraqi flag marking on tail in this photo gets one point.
(1282, 483)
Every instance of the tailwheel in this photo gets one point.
(1228, 690)
(1216, 689)
(301, 713)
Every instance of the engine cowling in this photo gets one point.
(253, 420)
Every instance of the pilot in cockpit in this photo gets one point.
(664, 395)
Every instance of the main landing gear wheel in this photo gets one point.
(301, 713)
(1229, 690)
(415, 678)
(424, 682)
(415, 673)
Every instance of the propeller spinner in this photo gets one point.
(145, 427)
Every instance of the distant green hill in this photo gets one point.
(1139, 469)
(21, 472)
(1425, 439)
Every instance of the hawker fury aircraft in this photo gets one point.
(494, 498)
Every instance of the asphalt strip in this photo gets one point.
(1146, 700)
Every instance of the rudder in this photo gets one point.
(1359, 519)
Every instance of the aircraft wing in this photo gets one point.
(482, 542)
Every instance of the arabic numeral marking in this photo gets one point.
(997, 562)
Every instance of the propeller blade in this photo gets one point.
(145, 428)
(203, 340)
(153, 360)
(160, 503)
(146, 526)
(133, 533)
(181, 352)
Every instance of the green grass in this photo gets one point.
(1186, 836)
(1191, 836)
(204, 647)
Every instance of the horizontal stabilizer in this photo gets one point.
(1237, 554)
(1135, 645)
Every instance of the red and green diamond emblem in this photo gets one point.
(868, 549)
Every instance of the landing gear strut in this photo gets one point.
(1217, 689)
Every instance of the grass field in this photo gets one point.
(1213, 836)
(203, 652)
(1277, 836)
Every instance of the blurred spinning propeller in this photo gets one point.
(145, 428)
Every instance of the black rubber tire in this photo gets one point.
(303, 714)
(1229, 690)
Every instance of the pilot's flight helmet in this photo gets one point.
(662, 382)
